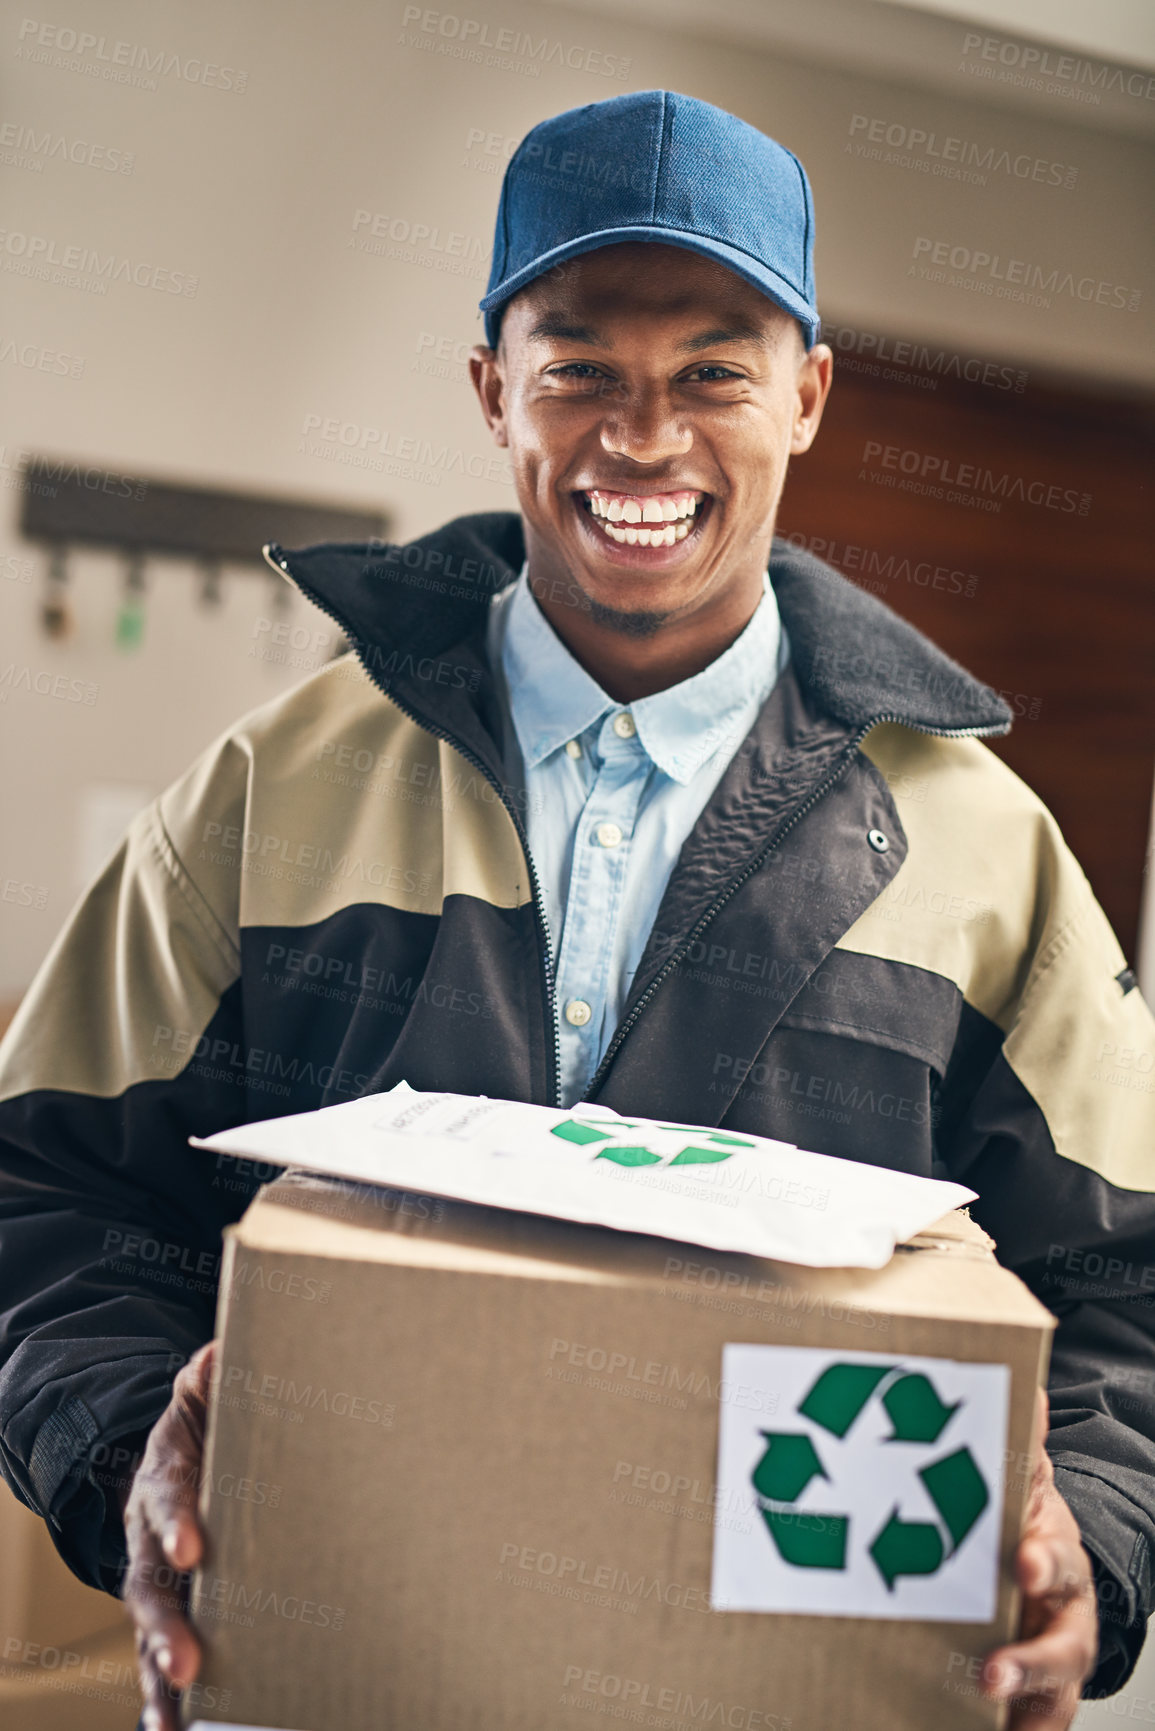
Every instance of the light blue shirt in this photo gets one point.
(612, 791)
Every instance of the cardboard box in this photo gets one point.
(472, 1468)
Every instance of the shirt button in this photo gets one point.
(578, 1012)
(624, 725)
(573, 748)
(608, 835)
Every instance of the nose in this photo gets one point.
(644, 428)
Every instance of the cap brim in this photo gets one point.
(773, 286)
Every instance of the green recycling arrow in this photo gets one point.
(840, 1393)
(958, 1491)
(915, 1410)
(809, 1541)
(906, 1548)
(573, 1131)
(789, 1463)
(629, 1156)
(691, 1155)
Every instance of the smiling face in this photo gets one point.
(650, 400)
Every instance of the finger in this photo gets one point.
(1052, 1567)
(1042, 1487)
(190, 1391)
(156, 1594)
(165, 1540)
(164, 1501)
(1042, 1414)
(1061, 1655)
(200, 1366)
(167, 1482)
(1043, 1713)
(182, 1539)
(161, 1705)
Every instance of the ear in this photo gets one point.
(812, 387)
(486, 372)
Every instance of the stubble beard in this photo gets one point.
(641, 623)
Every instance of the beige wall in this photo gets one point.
(254, 192)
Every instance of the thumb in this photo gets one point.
(201, 1366)
(1042, 1410)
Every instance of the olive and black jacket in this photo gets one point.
(874, 944)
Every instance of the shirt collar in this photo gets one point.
(553, 699)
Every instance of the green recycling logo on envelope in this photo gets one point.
(876, 1491)
(617, 1140)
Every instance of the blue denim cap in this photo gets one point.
(655, 166)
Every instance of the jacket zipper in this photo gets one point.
(703, 920)
(748, 871)
(270, 550)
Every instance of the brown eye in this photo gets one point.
(594, 382)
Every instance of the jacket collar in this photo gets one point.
(415, 613)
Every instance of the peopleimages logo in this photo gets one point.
(502, 48)
(1018, 278)
(945, 156)
(38, 255)
(863, 351)
(930, 472)
(23, 147)
(119, 62)
(1030, 67)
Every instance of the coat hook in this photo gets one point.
(55, 612)
(210, 587)
(130, 617)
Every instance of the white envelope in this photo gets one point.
(717, 1188)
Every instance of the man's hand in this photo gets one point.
(1042, 1673)
(165, 1541)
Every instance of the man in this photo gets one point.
(600, 808)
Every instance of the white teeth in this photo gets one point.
(663, 537)
(618, 515)
(653, 508)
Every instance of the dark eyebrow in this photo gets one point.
(736, 333)
(552, 327)
(555, 329)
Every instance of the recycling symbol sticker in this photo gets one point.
(875, 1489)
(663, 1144)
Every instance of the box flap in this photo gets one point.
(949, 1270)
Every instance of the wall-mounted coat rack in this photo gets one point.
(67, 503)
(81, 503)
